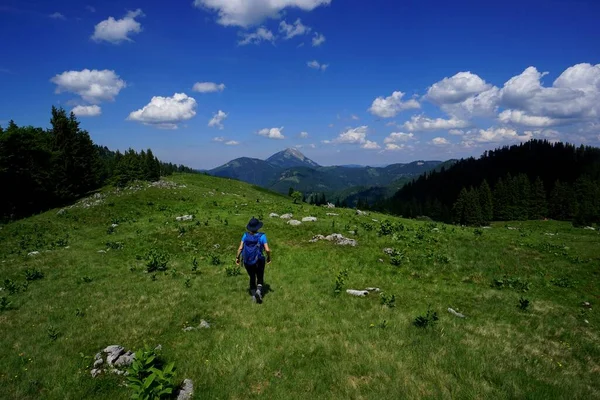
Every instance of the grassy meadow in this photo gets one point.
(304, 340)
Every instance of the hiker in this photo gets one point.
(251, 248)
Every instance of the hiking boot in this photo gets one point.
(258, 295)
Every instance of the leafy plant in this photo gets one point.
(382, 325)
(563, 282)
(215, 259)
(427, 320)
(388, 300)
(233, 270)
(340, 280)
(110, 230)
(188, 283)
(194, 264)
(511, 283)
(153, 278)
(181, 230)
(79, 313)
(156, 260)
(11, 286)
(86, 279)
(478, 232)
(148, 380)
(397, 258)
(52, 333)
(524, 304)
(32, 274)
(4, 303)
(114, 245)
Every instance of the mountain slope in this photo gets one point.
(250, 170)
(289, 158)
(304, 338)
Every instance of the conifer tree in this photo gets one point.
(486, 203)
(538, 206)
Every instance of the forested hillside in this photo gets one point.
(45, 168)
(533, 180)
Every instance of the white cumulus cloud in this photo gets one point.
(217, 120)
(521, 118)
(497, 135)
(456, 132)
(420, 123)
(318, 39)
(262, 34)
(439, 141)
(208, 87)
(354, 117)
(291, 30)
(457, 88)
(165, 112)
(272, 133)
(57, 15)
(394, 147)
(316, 65)
(246, 13)
(118, 30)
(232, 143)
(218, 139)
(93, 86)
(87, 111)
(397, 137)
(388, 107)
(352, 136)
(370, 145)
(303, 135)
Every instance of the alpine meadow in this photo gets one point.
(299, 199)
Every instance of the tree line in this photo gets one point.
(533, 180)
(46, 168)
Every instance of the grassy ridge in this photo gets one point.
(304, 340)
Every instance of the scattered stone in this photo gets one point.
(204, 325)
(185, 218)
(511, 228)
(316, 238)
(98, 363)
(455, 313)
(435, 230)
(187, 390)
(216, 246)
(389, 251)
(374, 220)
(113, 353)
(309, 219)
(61, 211)
(158, 348)
(188, 328)
(332, 214)
(586, 304)
(125, 360)
(96, 372)
(591, 228)
(352, 232)
(330, 205)
(358, 293)
(101, 251)
(114, 225)
(286, 216)
(586, 321)
(273, 215)
(549, 234)
(358, 212)
(33, 253)
(487, 227)
(294, 222)
(166, 185)
(373, 289)
(380, 260)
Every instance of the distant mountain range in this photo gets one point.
(291, 168)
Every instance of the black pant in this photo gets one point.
(256, 273)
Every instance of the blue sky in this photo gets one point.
(346, 81)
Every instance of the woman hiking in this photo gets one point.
(251, 248)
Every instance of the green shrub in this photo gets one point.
(340, 280)
(389, 301)
(233, 270)
(11, 286)
(215, 259)
(4, 303)
(32, 274)
(148, 380)
(511, 283)
(194, 264)
(563, 282)
(427, 320)
(156, 260)
(524, 304)
(114, 245)
(52, 333)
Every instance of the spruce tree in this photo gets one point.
(459, 207)
(472, 213)
(538, 206)
(486, 203)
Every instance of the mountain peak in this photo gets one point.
(291, 157)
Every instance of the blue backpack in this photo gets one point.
(252, 252)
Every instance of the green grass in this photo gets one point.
(304, 340)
